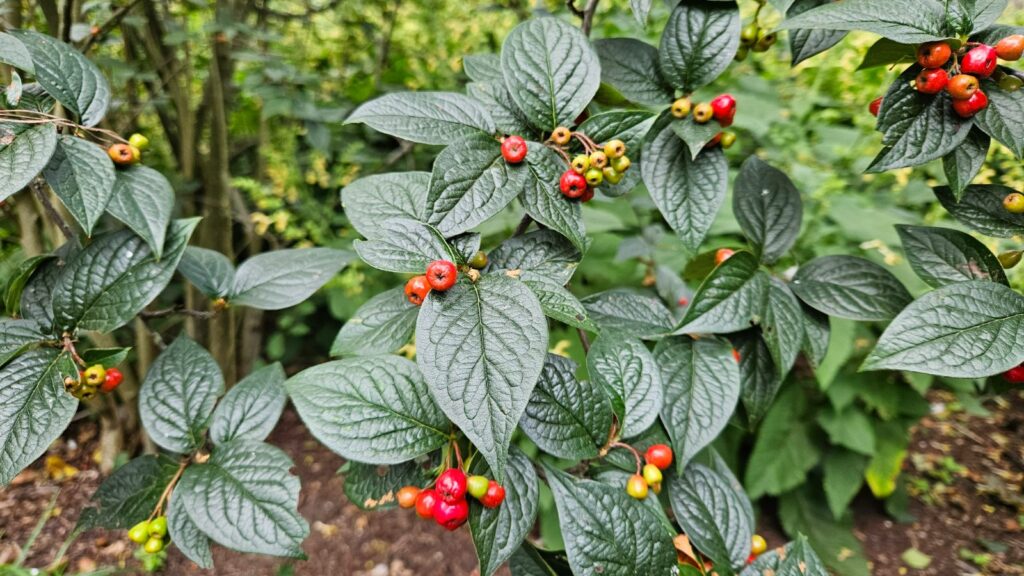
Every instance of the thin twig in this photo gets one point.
(167, 491)
(109, 25)
(584, 339)
(571, 5)
(523, 225)
(201, 314)
(51, 211)
(588, 17)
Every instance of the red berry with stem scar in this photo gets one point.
(980, 61)
(971, 106)
(451, 515)
(416, 289)
(494, 496)
(426, 502)
(441, 275)
(659, 455)
(932, 81)
(933, 54)
(513, 149)
(572, 184)
(451, 485)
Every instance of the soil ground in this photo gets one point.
(967, 473)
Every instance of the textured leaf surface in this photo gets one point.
(426, 117)
(759, 379)
(251, 408)
(283, 278)
(375, 486)
(768, 208)
(373, 200)
(375, 409)
(143, 199)
(731, 299)
(494, 95)
(24, 151)
(699, 42)
(565, 417)
(943, 256)
(963, 164)
(130, 494)
(406, 246)
(17, 335)
(498, 532)
(189, 539)
(712, 514)
(382, 325)
(981, 209)
(1003, 119)
(909, 21)
(82, 176)
(629, 313)
(632, 67)
(542, 254)
(807, 43)
(783, 325)
(933, 130)
(630, 377)
(544, 202)
(850, 287)
(482, 67)
(210, 271)
(13, 52)
(37, 296)
(784, 451)
(558, 303)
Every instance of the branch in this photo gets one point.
(588, 17)
(51, 211)
(109, 25)
(523, 225)
(584, 339)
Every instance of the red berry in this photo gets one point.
(408, 496)
(416, 289)
(724, 109)
(683, 301)
(736, 355)
(751, 558)
(979, 61)
(112, 380)
(659, 455)
(451, 485)
(971, 106)
(875, 106)
(722, 255)
(451, 515)
(494, 496)
(932, 80)
(588, 195)
(426, 502)
(962, 86)
(933, 54)
(1015, 375)
(572, 185)
(714, 141)
(441, 275)
(1010, 48)
(514, 149)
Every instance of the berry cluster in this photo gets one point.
(93, 379)
(150, 534)
(127, 154)
(721, 109)
(446, 502)
(1015, 375)
(440, 275)
(658, 458)
(596, 165)
(753, 38)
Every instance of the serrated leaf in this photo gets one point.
(481, 347)
(251, 408)
(16, 336)
(541, 253)
(375, 486)
(425, 117)
(731, 299)
(626, 370)
(632, 67)
(702, 387)
(24, 151)
(129, 495)
(374, 409)
(687, 191)
(565, 417)
(1003, 118)
(245, 499)
(283, 278)
(607, 532)
(963, 330)
(68, 76)
(759, 379)
(558, 303)
(407, 247)
(82, 176)
(178, 396)
(783, 326)
(482, 67)
(698, 43)
(964, 163)
(933, 131)
(210, 271)
(544, 202)
(189, 539)
(13, 52)
(942, 256)
(143, 199)
(34, 408)
(850, 287)
(784, 451)
(373, 200)
(382, 325)
(114, 278)
(768, 208)
(628, 313)
(807, 43)
(981, 209)
(843, 477)
(909, 21)
(551, 71)
(712, 515)
(498, 532)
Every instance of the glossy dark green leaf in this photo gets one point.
(565, 417)
(208, 270)
(245, 499)
(542, 254)
(374, 409)
(1003, 118)
(37, 296)
(628, 313)
(129, 495)
(817, 334)
(375, 486)
(943, 256)
(498, 532)
(407, 246)
(558, 303)
(850, 287)
(24, 151)
(283, 278)
(885, 52)
(783, 326)
(143, 199)
(382, 325)
(13, 52)
(909, 21)
(544, 202)
(107, 357)
(933, 130)
(712, 515)
(252, 407)
(981, 209)
(964, 163)
(375, 199)
(731, 299)
(627, 372)
(493, 94)
(695, 135)
(18, 279)
(796, 559)
(963, 330)
(82, 176)
(426, 117)
(807, 43)
(16, 336)
(759, 379)
(785, 450)
(188, 538)
(482, 67)
(702, 387)
(768, 208)
(632, 67)
(698, 43)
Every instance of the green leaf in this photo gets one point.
(784, 451)
(933, 130)
(607, 532)
(371, 201)
(850, 428)
(625, 312)
(374, 409)
(942, 256)
(482, 67)
(375, 486)
(37, 296)
(129, 495)
(1003, 118)
(210, 271)
(481, 347)
(805, 512)
(964, 163)
(759, 379)
(494, 95)
(981, 209)
(885, 52)
(698, 43)
(712, 514)
(18, 279)
(796, 559)
(626, 370)
(632, 67)
(16, 336)
(284, 278)
(694, 134)
(916, 559)
(540, 254)
(768, 208)
(425, 117)
(687, 191)
(542, 199)
(731, 299)
(702, 387)
(817, 334)
(963, 330)
(34, 408)
(498, 532)
(189, 539)
(558, 303)
(783, 326)
(382, 325)
(143, 199)
(252, 407)
(630, 126)
(850, 287)
(107, 357)
(407, 247)
(82, 176)
(641, 8)
(13, 52)
(178, 396)
(471, 182)
(245, 499)
(908, 21)
(114, 278)
(551, 71)
(24, 151)
(565, 417)
(807, 43)
(843, 478)
(68, 76)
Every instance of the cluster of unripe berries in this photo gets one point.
(93, 379)
(446, 502)
(127, 154)
(753, 38)
(721, 109)
(598, 164)
(658, 458)
(150, 534)
(440, 275)
(1014, 203)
